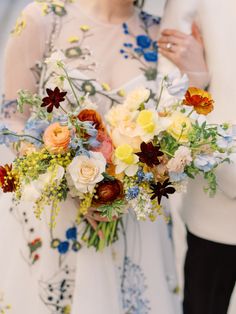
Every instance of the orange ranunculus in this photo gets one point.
(200, 100)
(108, 191)
(92, 116)
(57, 138)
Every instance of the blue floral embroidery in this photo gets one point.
(144, 47)
(143, 41)
(71, 233)
(133, 289)
(65, 246)
(149, 20)
(150, 56)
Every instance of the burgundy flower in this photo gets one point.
(162, 189)
(108, 191)
(149, 154)
(8, 181)
(53, 99)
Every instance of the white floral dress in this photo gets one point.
(43, 270)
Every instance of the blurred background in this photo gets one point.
(9, 10)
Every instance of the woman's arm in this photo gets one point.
(24, 48)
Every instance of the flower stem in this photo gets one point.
(161, 92)
(63, 110)
(21, 135)
(190, 113)
(71, 86)
(167, 153)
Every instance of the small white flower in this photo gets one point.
(177, 84)
(55, 61)
(33, 190)
(142, 205)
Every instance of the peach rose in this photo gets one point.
(56, 138)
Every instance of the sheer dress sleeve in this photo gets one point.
(25, 47)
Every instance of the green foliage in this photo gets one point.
(114, 209)
(191, 171)
(210, 177)
(107, 177)
(25, 98)
(169, 144)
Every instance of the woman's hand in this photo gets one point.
(187, 53)
(94, 217)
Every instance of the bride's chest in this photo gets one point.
(110, 55)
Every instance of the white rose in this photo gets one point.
(136, 98)
(33, 190)
(84, 172)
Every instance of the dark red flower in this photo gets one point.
(149, 154)
(162, 189)
(53, 99)
(108, 191)
(8, 181)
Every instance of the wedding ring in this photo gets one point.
(169, 46)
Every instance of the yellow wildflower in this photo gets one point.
(106, 87)
(73, 39)
(85, 28)
(121, 93)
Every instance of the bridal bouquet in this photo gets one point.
(145, 149)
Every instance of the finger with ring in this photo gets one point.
(169, 46)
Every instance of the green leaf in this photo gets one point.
(107, 177)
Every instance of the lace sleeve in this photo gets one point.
(25, 46)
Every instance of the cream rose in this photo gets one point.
(136, 98)
(84, 172)
(119, 113)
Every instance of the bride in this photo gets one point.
(110, 47)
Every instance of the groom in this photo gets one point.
(210, 266)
